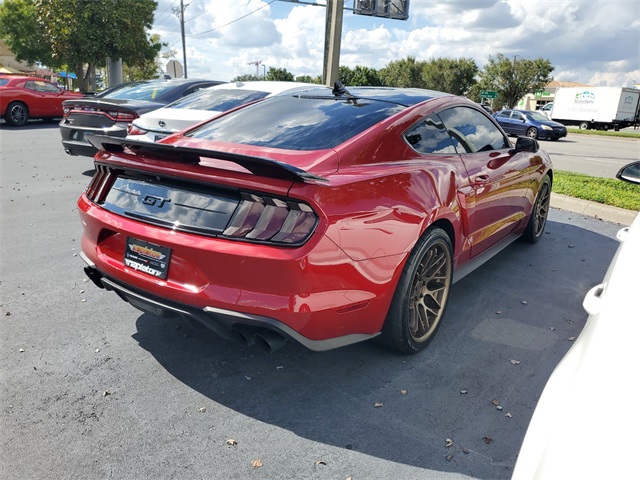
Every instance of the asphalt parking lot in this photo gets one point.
(93, 388)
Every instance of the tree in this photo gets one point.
(279, 75)
(79, 33)
(360, 76)
(514, 79)
(248, 77)
(309, 79)
(150, 67)
(19, 29)
(454, 76)
(403, 73)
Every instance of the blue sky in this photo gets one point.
(588, 41)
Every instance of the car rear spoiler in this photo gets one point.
(174, 153)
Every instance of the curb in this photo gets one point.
(593, 209)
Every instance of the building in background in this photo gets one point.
(537, 100)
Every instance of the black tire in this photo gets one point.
(539, 213)
(584, 126)
(532, 132)
(16, 114)
(420, 299)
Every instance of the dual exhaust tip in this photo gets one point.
(266, 339)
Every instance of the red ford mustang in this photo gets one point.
(22, 98)
(325, 217)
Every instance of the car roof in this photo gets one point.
(22, 77)
(400, 96)
(264, 86)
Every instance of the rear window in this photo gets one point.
(298, 123)
(218, 100)
(140, 91)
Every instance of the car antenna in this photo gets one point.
(340, 90)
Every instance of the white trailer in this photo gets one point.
(601, 108)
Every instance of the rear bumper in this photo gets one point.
(314, 293)
(227, 324)
(73, 137)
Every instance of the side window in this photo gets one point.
(194, 89)
(429, 136)
(472, 131)
(31, 85)
(49, 87)
(505, 114)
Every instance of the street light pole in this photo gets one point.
(333, 32)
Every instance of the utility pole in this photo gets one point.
(333, 32)
(180, 13)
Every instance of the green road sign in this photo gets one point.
(488, 94)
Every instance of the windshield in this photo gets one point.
(140, 91)
(537, 116)
(218, 100)
(298, 122)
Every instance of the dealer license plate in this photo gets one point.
(147, 257)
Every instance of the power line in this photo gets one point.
(232, 21)
(166, 18)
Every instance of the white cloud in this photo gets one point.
(589, 41)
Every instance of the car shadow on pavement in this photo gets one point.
(462, 406)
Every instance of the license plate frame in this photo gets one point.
(149, 258)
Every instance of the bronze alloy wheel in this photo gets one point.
(540, 212)
(541, 209)
(420, 298)
(429, 292)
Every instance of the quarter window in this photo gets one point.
(472, 131)
(430, 136)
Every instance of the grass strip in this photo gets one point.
(608, 133)
(608, 191)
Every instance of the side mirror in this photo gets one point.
(630, 173)
(526, 144)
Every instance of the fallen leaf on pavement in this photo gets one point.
(257, 463)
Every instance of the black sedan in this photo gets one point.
(110, 112)
(531, 124)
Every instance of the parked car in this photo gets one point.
(205, 104)
(584, 425)
(531, 124)
(24, 97)
(111, 112)
(327, 216)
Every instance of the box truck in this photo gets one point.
(601, 108)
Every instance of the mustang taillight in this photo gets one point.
(271, 220)
(100, 184)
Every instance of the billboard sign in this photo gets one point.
(395, 9)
